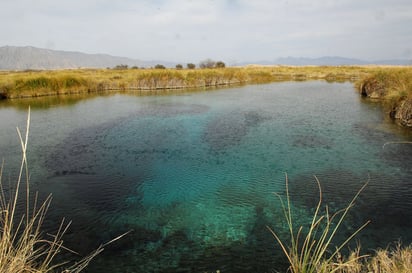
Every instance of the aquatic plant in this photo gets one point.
(311, 253)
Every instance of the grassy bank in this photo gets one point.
(394, 88)
(43, 83)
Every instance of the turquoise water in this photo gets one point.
(193, 174)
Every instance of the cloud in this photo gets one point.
(191, 30)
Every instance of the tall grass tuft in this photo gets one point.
(24, 248)
(397, 260)
(311, 253)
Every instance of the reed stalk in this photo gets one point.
(311, 253)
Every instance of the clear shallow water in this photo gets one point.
(193, 174)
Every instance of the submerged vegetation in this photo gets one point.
(24, 246)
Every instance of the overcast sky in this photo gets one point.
(228, 30)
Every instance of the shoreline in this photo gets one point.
(389, 84)
(22, 84)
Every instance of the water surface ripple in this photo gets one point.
(192, 174)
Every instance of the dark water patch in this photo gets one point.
(239, 194)
(398, 155)
(169, 109)
(224, 132)
(338, 187)
(378, 203)
(371, 132)
(312, 141)
(98, 202)
(79, 152)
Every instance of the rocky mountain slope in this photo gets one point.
(22, 58)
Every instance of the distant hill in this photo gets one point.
(321, 61)
(28, 57)
(22, 58)
(329, 60)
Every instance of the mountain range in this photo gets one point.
(333, 60)
(28, 57)
(23, 58)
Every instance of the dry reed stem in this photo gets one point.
(311, 255)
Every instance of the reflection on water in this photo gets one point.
(192, 174)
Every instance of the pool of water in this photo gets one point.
(193, 174)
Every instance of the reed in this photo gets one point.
(312, 253)
(19, 84)
(392, 260)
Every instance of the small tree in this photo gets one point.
(191, 66)
(179, 66)
(159, 66)
(121, 67)
(208, 63)
(220, 64)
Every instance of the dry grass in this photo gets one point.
(392, 85)
(394, 88)
(395, 260)
(40, 83)
(312, 252)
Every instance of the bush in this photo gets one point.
(191, 66)
(220, 64)
(208, 63)
(159, 66)
(121, 67)
(179, 66)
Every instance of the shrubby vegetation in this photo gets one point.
(209, 63)
(159, 66)
(121, 66)
(191, 66)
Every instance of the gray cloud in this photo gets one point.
(191, 30)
